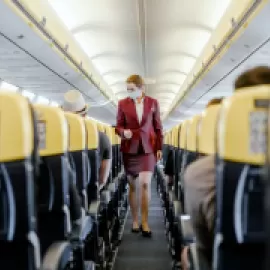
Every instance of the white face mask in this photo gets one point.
(135, 94)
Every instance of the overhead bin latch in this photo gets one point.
(43, 21)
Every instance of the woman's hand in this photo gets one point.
(159, 155)
(127, 133)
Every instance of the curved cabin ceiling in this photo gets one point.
(162, 40)
(188, 51)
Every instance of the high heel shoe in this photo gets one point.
(147, 234)
(135, 230)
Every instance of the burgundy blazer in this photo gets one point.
(149, 131)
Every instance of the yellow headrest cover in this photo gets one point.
(166, 138)
(178, 137)
(170, 138)
(92, 134)
(243, 126)
(183, 134)
(100, 127)
(77, 132)
(207, 130)
(16, 127)
(52, 130)
(193, 133)
(114, 137)
(175, 136)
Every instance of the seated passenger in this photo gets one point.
(74, 102)
(105, 154)
(169, 165)
(200, 181)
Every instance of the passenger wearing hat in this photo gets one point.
(75, 102)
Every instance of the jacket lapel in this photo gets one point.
(146, 109)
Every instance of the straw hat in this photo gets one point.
(74, 102)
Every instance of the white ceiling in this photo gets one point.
(251, 49)
(28, 62)
(160, 39)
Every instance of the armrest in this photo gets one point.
(9, 222)
(160, 165)
(88, 265)
(116, 181)
(160, 170)
(86, 227)
(79, 233)
(187, 230)
(193, 257)
(94, 208)
(172, 196)
(112, 187)
(105, 196)
(177, 209)
(57, 256)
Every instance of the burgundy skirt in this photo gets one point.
(140, 162)
(134, 164)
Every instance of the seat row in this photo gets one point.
(234, 132)
(42, 151)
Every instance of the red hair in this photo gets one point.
(136, 79)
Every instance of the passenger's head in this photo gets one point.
(253, 77)
(135, 86)
(214, 101)
(74, 102)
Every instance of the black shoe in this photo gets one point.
(135, 230)
(147, 234)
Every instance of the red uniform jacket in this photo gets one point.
(149, 131)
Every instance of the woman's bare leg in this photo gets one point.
(184, 258)
(145, 191)
(133, 202)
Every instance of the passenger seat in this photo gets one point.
(54, 225)
(19, 243)
(241, 147)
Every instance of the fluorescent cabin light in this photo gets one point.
(54, 104)
(42, 100)
(28, 94)
(8, 87)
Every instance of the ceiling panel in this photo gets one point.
(177, 32)
(115, 33)
(22, 70)
(37, 82)
(109, 33)
(159, 39)
(250, 50)
(29, 62)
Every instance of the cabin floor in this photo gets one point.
(139, 253)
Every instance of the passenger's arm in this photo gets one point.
(199, 182)
(104, 172)
(158, 127)
(120, 121)
(106, 161)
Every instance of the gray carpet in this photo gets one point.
(139, 253)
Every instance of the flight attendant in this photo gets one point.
(140, 128)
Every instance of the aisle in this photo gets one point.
(138, 253)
